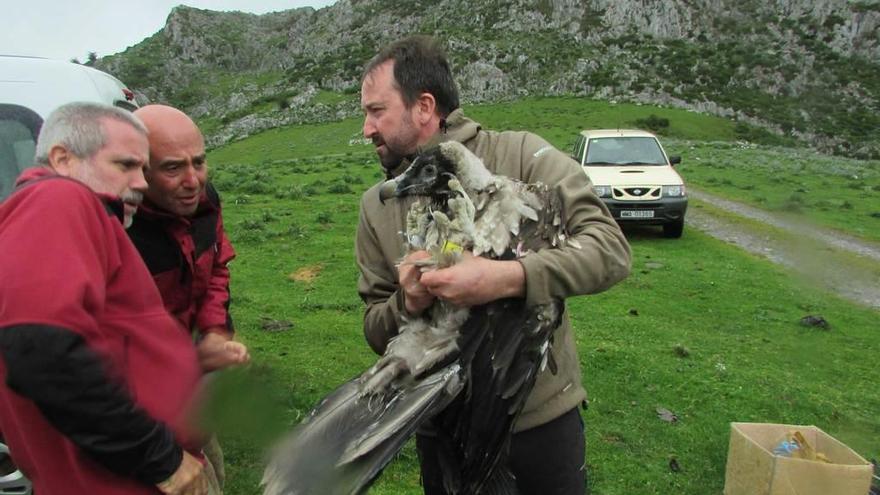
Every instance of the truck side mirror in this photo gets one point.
(674, 160)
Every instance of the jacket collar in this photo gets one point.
(112, 203)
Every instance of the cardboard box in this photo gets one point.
(753, 469)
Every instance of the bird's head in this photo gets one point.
(428, 175)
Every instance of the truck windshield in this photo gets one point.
(624, 151)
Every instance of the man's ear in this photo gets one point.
(63, 161)
(426, 106)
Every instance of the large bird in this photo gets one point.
(467, 371)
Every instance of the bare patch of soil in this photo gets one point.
(306, 274)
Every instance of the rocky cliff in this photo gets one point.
(809, 69)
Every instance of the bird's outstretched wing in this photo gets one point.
(350, 437)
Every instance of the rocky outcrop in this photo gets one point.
(747, 59)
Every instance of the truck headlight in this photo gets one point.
(602, 191)
(673, 191)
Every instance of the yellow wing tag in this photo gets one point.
(451, 247)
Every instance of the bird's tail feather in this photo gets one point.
(350, 437)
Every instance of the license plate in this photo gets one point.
(637, 214)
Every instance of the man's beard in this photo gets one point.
(391, 159)
(402, 144)
(86, 175)
(133, 198)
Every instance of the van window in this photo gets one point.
(19, 128)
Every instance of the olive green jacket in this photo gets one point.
(602, 259)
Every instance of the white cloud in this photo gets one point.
(64, 29)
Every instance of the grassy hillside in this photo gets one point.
(699, 328)
(730, 159)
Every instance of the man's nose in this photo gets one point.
(138, 181)
(369, 129)
(190, 176)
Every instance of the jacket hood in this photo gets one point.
(34, 173)
(458, 128)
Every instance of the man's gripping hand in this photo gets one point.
(217, 351)
(415, 295)
(475, 280)
(189, 479)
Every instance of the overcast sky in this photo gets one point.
(66, 29)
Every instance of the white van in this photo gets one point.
(30, 88)
(632, 174)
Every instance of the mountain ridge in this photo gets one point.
(802, 69)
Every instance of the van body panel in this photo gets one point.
(30, 89)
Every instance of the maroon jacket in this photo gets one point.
(187, 258)
(97, 375)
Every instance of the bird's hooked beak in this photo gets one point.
(388, 190)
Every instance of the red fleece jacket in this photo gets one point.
(69, 269)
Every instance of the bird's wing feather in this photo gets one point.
(504, 343)
(349, 437)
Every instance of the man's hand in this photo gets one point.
(475, 280)
(216, 351)
(189, 479)
(416, 296)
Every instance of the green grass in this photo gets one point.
(331, 97)
(749, 360)
(834, 192)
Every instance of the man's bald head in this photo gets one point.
(168, 124)
(178, 170)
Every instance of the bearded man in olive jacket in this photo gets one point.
(410, 102)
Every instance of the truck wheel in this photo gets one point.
(673, 229)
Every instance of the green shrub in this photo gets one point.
(324, 218)
(653, 123)
(339, 188)
(294, 191)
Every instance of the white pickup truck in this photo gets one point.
(634, 177)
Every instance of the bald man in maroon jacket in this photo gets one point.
(179, 232)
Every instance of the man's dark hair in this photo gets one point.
(420, 66)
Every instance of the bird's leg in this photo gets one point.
(434, 355)
(377, 379)
(439, 340)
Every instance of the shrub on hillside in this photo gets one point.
(653, 123)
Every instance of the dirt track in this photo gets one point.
(843, 264)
